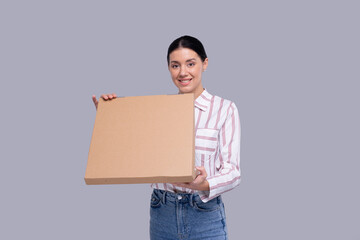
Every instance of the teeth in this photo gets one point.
(184, 81)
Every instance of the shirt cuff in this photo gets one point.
(208, 195)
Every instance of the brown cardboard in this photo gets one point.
(143, 139)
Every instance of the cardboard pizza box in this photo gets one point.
(143, 139)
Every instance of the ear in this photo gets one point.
(205, 64)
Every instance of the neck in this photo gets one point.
(196, 93)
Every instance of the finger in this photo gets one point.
(202, 171)
(198, 180)
(178, 184)
(181, 183)
(112, 96)
(95, 101)
(105, 97)
(184, 184)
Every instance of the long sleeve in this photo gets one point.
(228, 175)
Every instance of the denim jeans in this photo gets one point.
(185, 216)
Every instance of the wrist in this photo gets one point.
(206, 186)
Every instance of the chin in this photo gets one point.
(186, 90)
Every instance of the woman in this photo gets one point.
(195, 210)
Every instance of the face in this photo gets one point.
(186, 68)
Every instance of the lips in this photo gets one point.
(185, 81)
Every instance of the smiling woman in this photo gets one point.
(195, 210)
(186, 69)
(187, 60)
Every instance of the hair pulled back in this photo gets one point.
(187, 42)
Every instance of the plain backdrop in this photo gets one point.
(291, 67)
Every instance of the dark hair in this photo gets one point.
(187, 42)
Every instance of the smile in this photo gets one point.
(185, 82)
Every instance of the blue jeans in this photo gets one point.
(185, 216)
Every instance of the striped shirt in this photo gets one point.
(217, 146)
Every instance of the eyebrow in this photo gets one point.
(191, 59)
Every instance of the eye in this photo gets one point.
(175, 66)
(191, 64)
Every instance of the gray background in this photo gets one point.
(292, 68)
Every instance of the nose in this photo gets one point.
(183, 72)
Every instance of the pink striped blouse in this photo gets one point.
(217, 146)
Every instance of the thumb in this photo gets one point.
(95, 101)
(201, 169)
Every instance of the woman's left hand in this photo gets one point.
(199, 183)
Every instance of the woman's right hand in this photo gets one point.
(104, 96)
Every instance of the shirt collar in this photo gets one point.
(203, 101)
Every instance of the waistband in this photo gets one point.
(190, 198)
